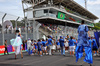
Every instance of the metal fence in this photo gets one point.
(8, 25)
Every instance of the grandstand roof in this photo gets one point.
(71, 4)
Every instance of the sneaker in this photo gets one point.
(97, 54)
(66, 51)
(64, 55)
(32, 54)
(50, 54)
(72, 55)
(94, 54)
(41, 55)
(46, 53)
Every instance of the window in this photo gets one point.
(45, 11)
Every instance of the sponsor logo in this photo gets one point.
(2, 49)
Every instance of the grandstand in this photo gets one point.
(65, 15)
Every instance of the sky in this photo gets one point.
(14, 7)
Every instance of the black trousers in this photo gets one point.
(6, 50)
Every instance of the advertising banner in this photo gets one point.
(13, 49)
(2, 49)
(9, 47)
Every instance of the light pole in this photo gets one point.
(3, 27)
(85, 4)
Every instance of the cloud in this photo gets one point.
(93, 2)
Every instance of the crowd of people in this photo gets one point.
(50, 45)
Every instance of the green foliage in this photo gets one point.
(19, 23)
(97, 26)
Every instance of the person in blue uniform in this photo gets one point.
(75, 44)
(90, 42)
(57, 45)
(94, 47)
(49, 44)
(61, 41)
(44, 46)
(39, 44)
(83, 43)
(71, 46)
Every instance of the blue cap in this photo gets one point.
(60, 36)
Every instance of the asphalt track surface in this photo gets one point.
(55, 60)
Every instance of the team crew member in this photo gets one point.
(58, 45)
(6, 47)
(49, 44)
(44, 46)
(71, 46)
(90, 42)
(39, 44)
(61, 41)
(74, 43)
(94, 47)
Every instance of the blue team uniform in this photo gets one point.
(57, 42)
(35, 44)
(71, 43)
(39, 46)
(94, 44)
(61, 41)
(90, 42)
(49, 41)
(75, 42)
(44, 43)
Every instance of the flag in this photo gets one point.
(61, 15)
(97, 37)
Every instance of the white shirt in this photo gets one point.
(28, 44)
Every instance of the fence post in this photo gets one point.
(26, 27)
(34, 24)
(16, 23)
(3, 27)
(37, 31)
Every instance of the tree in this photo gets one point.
(19, 23)
(97, 26)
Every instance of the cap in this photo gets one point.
(60, 36)
(29, 39)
